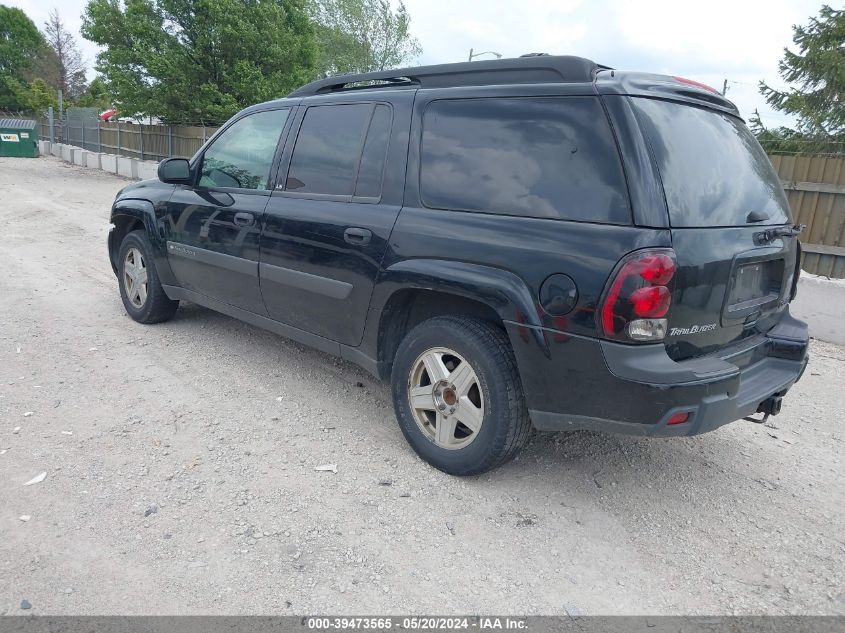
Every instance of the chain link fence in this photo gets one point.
(153, 142)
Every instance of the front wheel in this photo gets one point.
(457, 395)
(140, 288)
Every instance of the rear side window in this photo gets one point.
(339, 146)
(327, 149)
(714, 171)
(536, 157)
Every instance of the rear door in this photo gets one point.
(730, 224)
(328, 222)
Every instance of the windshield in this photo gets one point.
(714, 171)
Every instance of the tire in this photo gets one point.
(150, 305)
(489, 390)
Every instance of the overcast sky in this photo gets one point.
(709, 41)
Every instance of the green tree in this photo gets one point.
(199, 60)
(96, 96)
(37, 96)
(42, 96)
(783, 140)
(817, 75)
(21, 46)
(358, 36)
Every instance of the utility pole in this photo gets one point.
(725, 87)
(470, 55)
(61, 117)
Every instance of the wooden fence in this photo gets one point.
(815, 187)
(147, 142)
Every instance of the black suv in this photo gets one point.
(535, 241)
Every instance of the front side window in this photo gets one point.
(241, 157)
(536, 157)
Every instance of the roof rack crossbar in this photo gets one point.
(537, 69)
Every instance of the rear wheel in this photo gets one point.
(457, 395)
(140, 288)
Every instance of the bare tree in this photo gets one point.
(70, 66)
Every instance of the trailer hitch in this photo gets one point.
(769, 406)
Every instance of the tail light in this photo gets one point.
(638, 297)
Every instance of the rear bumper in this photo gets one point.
(635, 390)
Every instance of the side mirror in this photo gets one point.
(174, 171)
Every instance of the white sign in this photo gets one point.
(24, 134)
(9, 138)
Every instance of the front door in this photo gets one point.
(213, 227)
(328, 222)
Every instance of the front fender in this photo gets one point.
(126, 210)
(142, 210)
(502, 290)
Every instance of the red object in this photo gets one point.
(678, 418)
(697, 84)
(651, 302)
(108, 114)
(657, 269)
(638, 290)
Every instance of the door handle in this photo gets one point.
(244, 219)
(357, 237)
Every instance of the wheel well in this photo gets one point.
(407, 308)
(123, 225)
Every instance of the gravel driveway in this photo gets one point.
(180, 471)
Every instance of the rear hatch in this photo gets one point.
(731, 227)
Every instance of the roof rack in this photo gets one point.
(519, 70)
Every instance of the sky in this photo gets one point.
(737, 40)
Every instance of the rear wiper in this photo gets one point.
(769, 235)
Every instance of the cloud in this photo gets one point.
(706, 41)
(719, 32)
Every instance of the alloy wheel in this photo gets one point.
(446, 398)
(135, 277)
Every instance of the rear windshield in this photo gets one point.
(714, 171)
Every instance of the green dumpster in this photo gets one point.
(18, 137)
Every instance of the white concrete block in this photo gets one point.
(67, 153)
(127, 167)
(821, 303)
(79, 157)
(108, 162)
(56, 150)
(147, 170)
(92, 159)
(43, 147)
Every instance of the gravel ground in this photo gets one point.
(180, 471)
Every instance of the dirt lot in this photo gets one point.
(180, 471)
